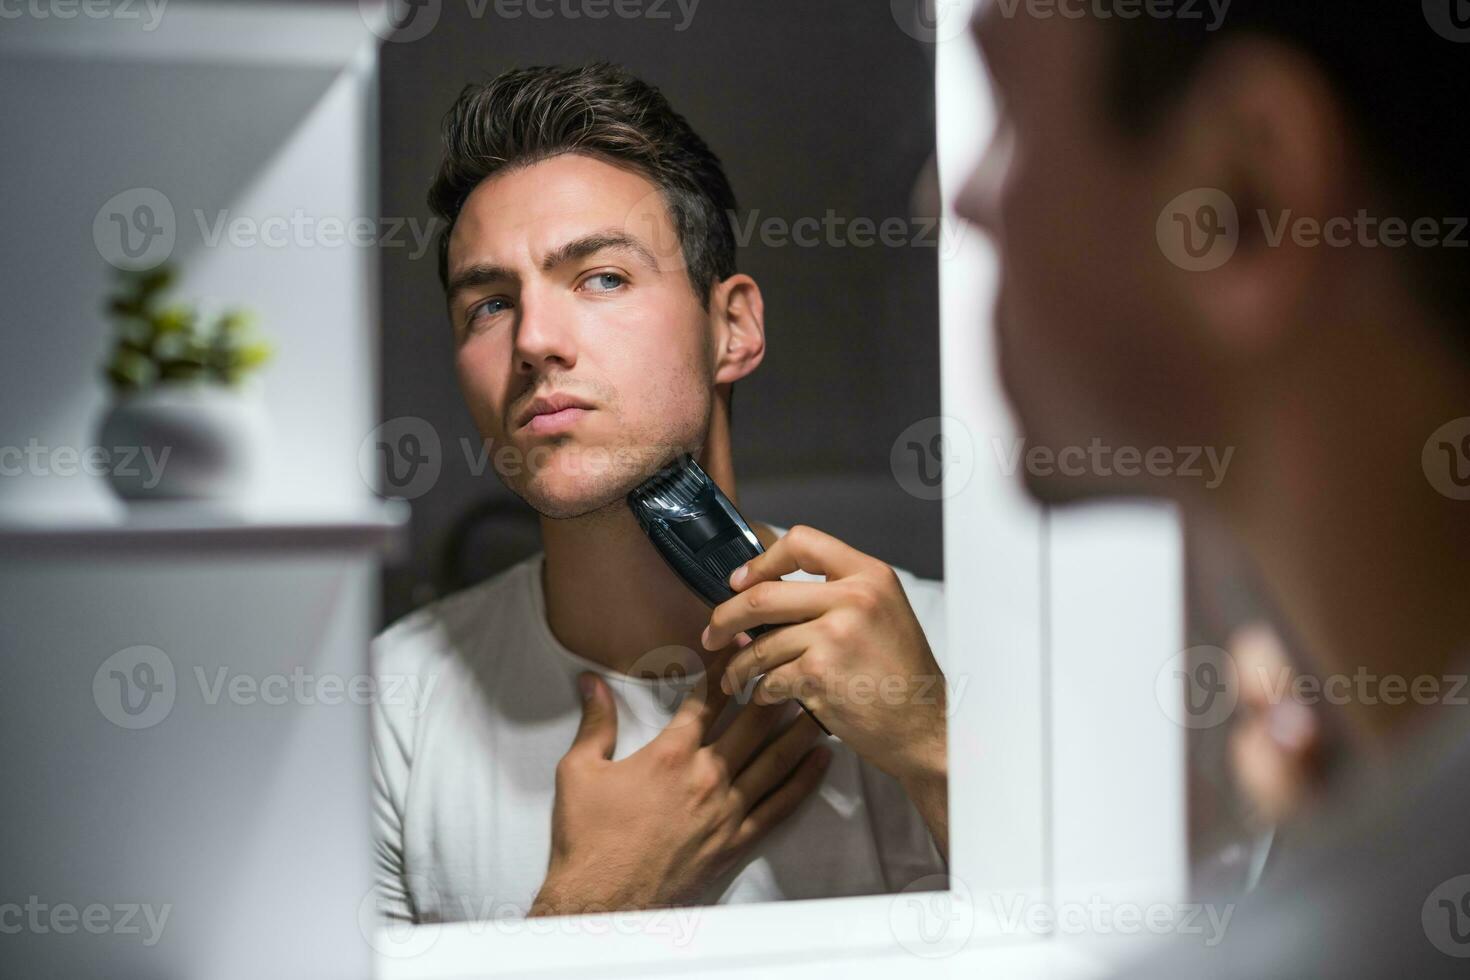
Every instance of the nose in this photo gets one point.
(978, 201)
(545, 339)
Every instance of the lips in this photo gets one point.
(552, 411)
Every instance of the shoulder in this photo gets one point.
(451, 627)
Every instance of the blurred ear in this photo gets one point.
(1261, 124)
(738, 314)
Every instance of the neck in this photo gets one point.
(1369, 560)
(609, 595)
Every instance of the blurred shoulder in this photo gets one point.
(453, 626)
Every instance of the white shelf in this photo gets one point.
(311, 34)
(187, 528)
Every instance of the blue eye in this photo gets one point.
(489, 307)
(604, 282)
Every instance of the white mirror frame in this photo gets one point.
(1067, 774)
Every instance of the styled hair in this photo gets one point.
(527, 115)
(1400, 78)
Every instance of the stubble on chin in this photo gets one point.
(599, 483)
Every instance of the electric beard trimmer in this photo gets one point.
(699, 533)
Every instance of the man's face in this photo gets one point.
(1093, 332)
(565, 280)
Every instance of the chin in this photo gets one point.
(1058, 490)
(573, 480)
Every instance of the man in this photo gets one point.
(1250, 233)
(589, 267)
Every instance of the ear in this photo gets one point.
(738, 315)
(1262, 125)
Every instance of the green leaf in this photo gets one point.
(234, 323)
(169, 342)
(177, 318)
(129, 369)
(182, 371)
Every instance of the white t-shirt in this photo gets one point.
(479, 702)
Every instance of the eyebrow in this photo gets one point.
(596, 242)
(484, 274)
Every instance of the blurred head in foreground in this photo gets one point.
(1233, 247)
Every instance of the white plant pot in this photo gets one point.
(185, 441)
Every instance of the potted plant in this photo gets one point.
(182, 413)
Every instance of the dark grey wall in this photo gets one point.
(812, 106)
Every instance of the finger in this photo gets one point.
(1261, 664)
(780, 804)
(774, 762)
(785, 683)
(767, 652)
(801, 548)
(746, 733)
(1293, 727)
(771, 603)
(704, 702)
(597, 735)
(1275, 781)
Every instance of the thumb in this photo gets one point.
(598, 733)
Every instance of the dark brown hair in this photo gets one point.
(1401, 80)
(527, 115)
